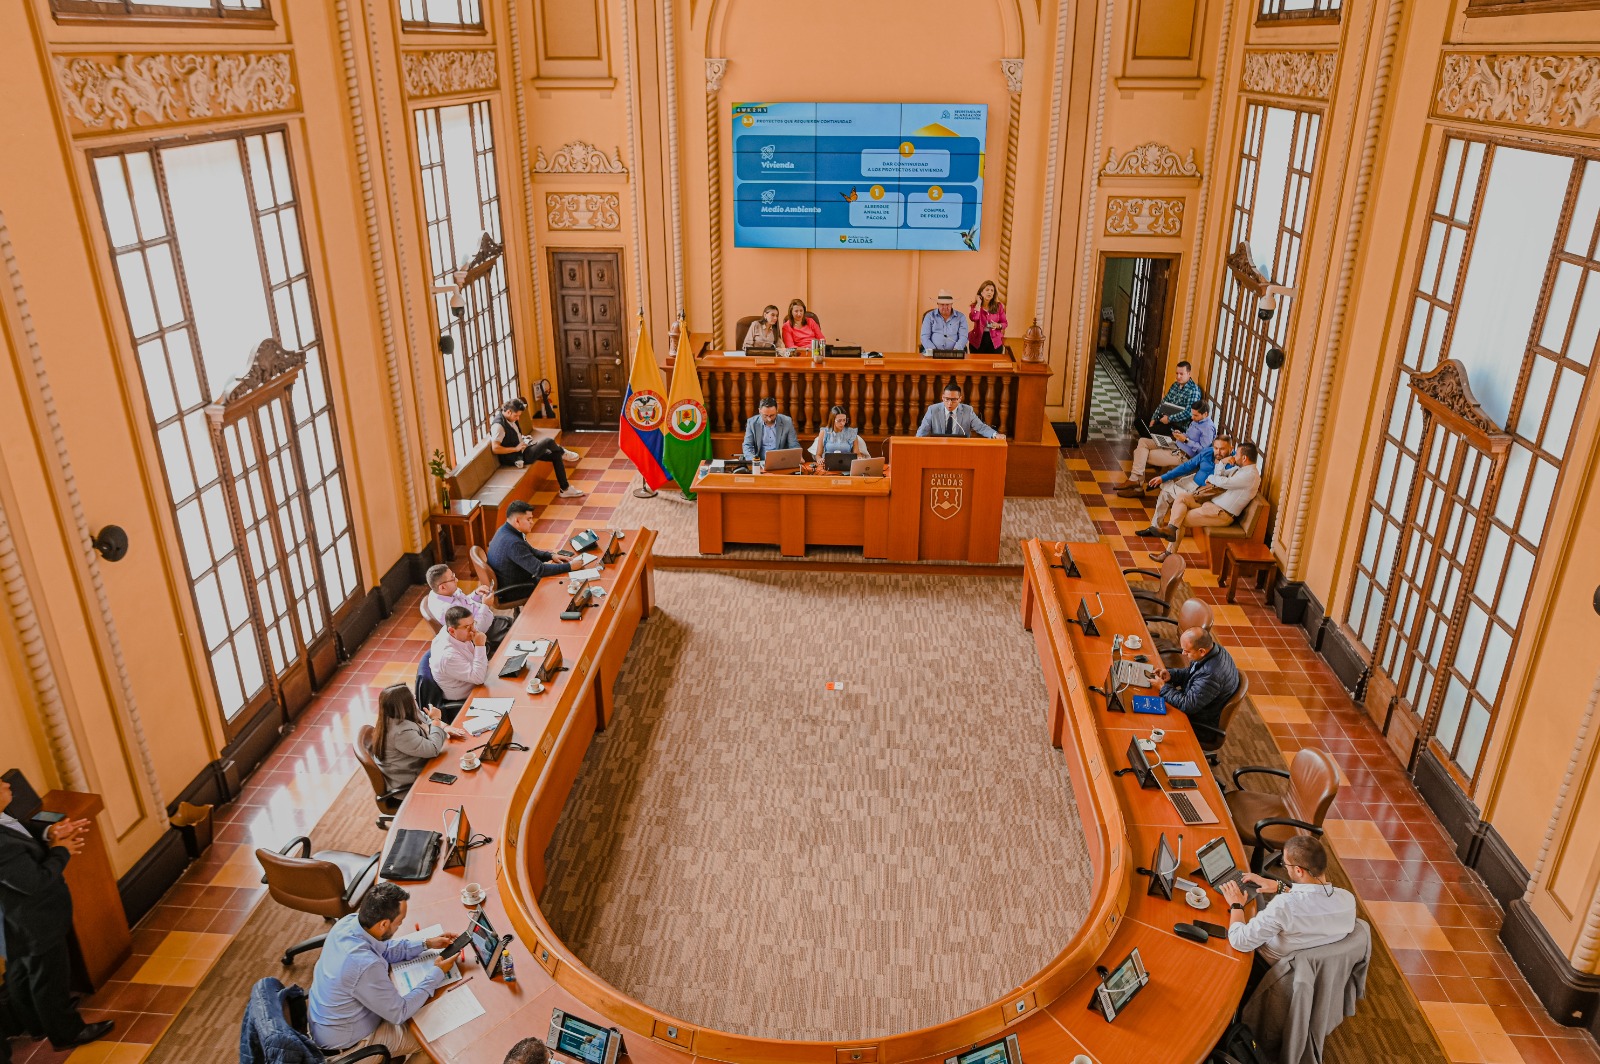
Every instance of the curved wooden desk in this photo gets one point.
(1178, 1018)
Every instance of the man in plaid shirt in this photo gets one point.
(1182, 394)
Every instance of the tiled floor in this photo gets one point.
(1426, 905)
(1110, 398)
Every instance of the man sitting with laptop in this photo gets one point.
(1202, 687)
(1172, 412)
(1304, 913)
(769, 430)
(1164, 452)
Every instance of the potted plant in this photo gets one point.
(436, 466)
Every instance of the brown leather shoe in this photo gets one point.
(1130, 489)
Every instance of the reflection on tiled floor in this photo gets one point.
(1427, 907)
(1432, 912)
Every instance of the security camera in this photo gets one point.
(447, 344)
(457, 301)
(1269, 300)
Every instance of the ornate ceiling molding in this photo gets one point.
(1307, 75)
(269, 365)
(1445, 393)
(583, 210)
(1531, 91)
(445, 73)
(579, 157)
(1144, 216)
(107, 93)
(1012, 69)
(1150, 160)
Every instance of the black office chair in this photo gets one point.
(276, 1015)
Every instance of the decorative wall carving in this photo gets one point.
(1012, 69)
(583, 210)
(1537, 91)
(1444, 392)
(1245, 271)
(1308, 75)
(579, 157)
(1144, 216)
(1150, 160)
(270, 362)
(131, 91)
(447, 72)
(715, 69)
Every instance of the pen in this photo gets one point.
(463, 982)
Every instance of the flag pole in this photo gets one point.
(644, 490)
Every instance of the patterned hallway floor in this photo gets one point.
(1428, 907)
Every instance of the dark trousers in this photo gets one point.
(552, 452)
(986, 344)
(39, 984)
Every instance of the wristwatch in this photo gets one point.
(1236, 907)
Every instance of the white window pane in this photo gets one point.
(200, 449)
(260, 176)
(217, 525)
(1449, 176)
(1430, 259)
(146, 201)
(114, 201)
(1515, 234)
(1564, 412)
(157, 382)
(1587, 327)
(208, 602)
(280, 166)
(249, 660)
(1455, 701)
(1472, 737)
(231, 581)
(192, 534)
(1534, 398)
(164, 279)
(136, 293)
(180, 357)
(283, 307)
(1452, 262)
(228, 692)
(1562, 294)
(276, 271)
(1496, 546)
(302, 313)
(289, 221)
(1470, 176)
(1581, 231)
(175, 460)
(1519, 573)
(347, 568)
(1369, 626)
(1495, 656)
(1516, 475)
(1541, 495)
(1472, 632)
(216, 237)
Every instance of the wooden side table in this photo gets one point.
(463, 514)
(1245, 560)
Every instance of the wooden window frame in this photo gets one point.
(1491, 8)
(323, 649)
(426, 25)
(138, 11)
(1320, 13)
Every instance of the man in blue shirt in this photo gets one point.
(518, 568)
(944, 328)
(1203, 685)
(1185, 444)
(1185, 478)
(353, 1002)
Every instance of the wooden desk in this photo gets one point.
(793, 512)
(886, 397)
(1177, 1018)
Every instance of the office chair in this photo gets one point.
(1168, 580)
(1212, 738)
(328, 883)
(485, 575)
(1266, 821)
(1192, 613)
(427, 614)
(429, 693)
(741, 327)
(275, 1017)
(387, 797)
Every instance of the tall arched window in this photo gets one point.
(206, 241)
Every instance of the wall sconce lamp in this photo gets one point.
(1274, 358)
(111, 543)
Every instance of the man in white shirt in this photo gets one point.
(1220, 502)
(445, 591)
(458, 659)
(1307, 912)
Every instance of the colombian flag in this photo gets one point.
(688, 441)
(643, 412)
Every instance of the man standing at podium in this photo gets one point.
(952, 417)
(38, 925)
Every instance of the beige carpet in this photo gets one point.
(208, 1027)
(676, 522)
(748, 850)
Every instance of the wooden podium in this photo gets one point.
(947, 496)
(99, 925)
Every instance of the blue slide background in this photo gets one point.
(796, 166)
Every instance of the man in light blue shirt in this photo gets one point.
(353, 1002)
(1187, 443)
(944, 328)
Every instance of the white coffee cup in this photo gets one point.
(1197, 898)
(1133, 642)
(472, 894)
(535, 685)
(470, 763)
(1156, 735)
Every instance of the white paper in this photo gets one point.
(584, 560)
(1181, 768)
(447, 1012)
(424, 934)
(583, 576)
(476, 726)
(408, 974)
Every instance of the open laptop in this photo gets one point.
(1217, 867)
(1190, 806)
(867, 467)
(838, 461)
(784, 461)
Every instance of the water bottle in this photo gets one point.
(508, 971)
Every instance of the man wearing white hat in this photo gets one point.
(944, 328)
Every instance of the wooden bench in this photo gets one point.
(480, 476)
(1251, 527)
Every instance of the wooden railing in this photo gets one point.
(884, 396)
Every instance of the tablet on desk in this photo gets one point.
(1149, 704)
(1000, 1051)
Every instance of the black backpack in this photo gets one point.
(1238, 1046)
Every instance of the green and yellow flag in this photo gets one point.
(688, 439)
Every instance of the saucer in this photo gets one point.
(470, 764)
(470, 900)
(1133, 642)
(1205, 900)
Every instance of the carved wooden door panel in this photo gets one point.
(592, 371)
(1151, 281)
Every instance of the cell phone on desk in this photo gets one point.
(563, 553)
(441, 777)
(1182, 784)
(46, 817)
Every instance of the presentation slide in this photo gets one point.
(858, 175)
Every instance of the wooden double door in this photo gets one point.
(589, 335)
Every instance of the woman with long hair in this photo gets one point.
(800, 328)
(765, 330)
(838, 436)
(406, 738)
(988, 317)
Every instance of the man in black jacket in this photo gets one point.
(1202, 687)
(38, 919)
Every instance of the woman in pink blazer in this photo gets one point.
(800, 328)
(988, 317)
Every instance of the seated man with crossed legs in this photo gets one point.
(1225, 495)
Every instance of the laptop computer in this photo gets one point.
(838, 461)
(867, 467)
(412, 856)
(1217, 867)
(784, 461)
(1133, 674)
(1190, 806)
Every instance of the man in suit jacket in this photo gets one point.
(38, 918)
(769, 430)
(952, 417)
